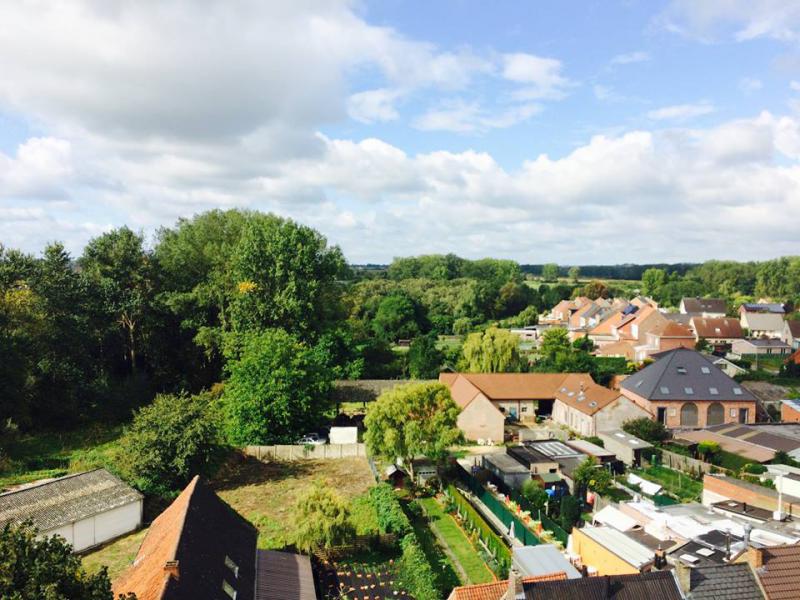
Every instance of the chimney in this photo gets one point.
(171, 567)
(515, 588)
(757, 557)
(660, 560)
(747, 529)
(727, 544)
(684, 576)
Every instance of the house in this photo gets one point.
(761, 347)
(657, 585)
(776, 569)
(620, 349)
(627, 448)
(684, 388)
(720, 333)
(547, 458)
(710, 548)
(666, 335)
(541, 560)
(718, 488)
(719, 582)
(791, 334)
(745, 448)
(730, 369)
(639, 330)
(776, 439)
(762, 320)
(608, 551)
(704, 307)
(790, 411)
(86, 509)
(506, 468)
(199, 547)
(499, 590)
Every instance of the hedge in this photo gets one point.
(728, 460)
(391, 518)
(415, 571)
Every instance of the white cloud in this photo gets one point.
(741, 20)
(681, 112)
(41, 168)
(795, 86)
(748, 85)
(374, 105)
(541, 77)
(469, 117)
(630, 58)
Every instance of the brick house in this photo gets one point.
(684, 388)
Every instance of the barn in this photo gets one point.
(86, 509)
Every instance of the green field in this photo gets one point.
(457, 542)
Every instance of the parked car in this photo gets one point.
(312, 438)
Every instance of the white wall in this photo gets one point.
(101, 528)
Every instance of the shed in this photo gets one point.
(544, 559)
(509, 470)
(86, 509)
(627, 447)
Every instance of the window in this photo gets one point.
(639, 383)
(682, 370)
(524, 408)
(733, 412)
(664, 389)
(737, 391)
(705, 370)
(689, 391)
(228, 589)
(232, 566)
(713, 391)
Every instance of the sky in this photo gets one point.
(593, 132)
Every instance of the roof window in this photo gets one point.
(689, 391)
(664, 389)
(705, 370)
(229, 589)
(713, 391)
(232, 566)
(682, 370)
(639, 383)
(737, 391)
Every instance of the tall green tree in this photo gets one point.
(492, 351)
(550, 272)
(574, 274)
(279, 388)
(397, 317)
(411, 420)
(322, 520)
(652, 281)
(46, 569)
(424, 357)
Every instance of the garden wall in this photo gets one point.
(300, 452)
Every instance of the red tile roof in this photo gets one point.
(717, 328)
(496, 589)
(778, 575)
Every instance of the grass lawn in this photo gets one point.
(266, 493)
(117, 555)
(45, 455)
(675, 482)
(447, 576)
(457, 542)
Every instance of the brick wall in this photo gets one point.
(715, 488)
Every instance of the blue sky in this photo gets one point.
(575, 132)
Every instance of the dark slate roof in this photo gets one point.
(658, 585)
(724, 582)
(284, 576)
(676, 370)
(764, 307)
(65, 500)
(705, 305)
(773, 441)
(766, 343)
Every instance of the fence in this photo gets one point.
(361, 543)
(300, 452)
(679, 462)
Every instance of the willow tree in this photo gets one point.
(322, 519)
(492, 351)
(412, 420)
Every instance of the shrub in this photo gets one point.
(322, 520)
(415, 571)
(534, 493)
(168, 443)
(391, 518)
(708, 448)
(570, 512)
(646, 429)
(593, 439)
(755, 468)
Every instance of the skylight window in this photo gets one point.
(232, 566)
(705, 370)
(664, 389)
(713, 391)
(639, 383)
(689, 391)
(682, 370)
(737, 391)
(229, 589)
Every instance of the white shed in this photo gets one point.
(86, 509)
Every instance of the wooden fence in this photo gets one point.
(685, 463)
(361, 543)
(301, 452)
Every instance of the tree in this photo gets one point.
(285, 276)
(707, 449)
(398, 317)
(592, 476)
(652, 281)
(322, 520)
(492, 351)
(533, 492)
(512, 298)
(118, 265)
(424, 357)
(574, 274)
(570, 512)
(278, 389)
(646, 429)
(702, 345)
(550, 272)
(412, 420)
(595, 289)
(584, 344)
(46, 569)
(168, 443)
(557, 355)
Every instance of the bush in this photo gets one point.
(534, 493)
(754, 468)
(168, 443)
(415, 571)
(593, 439)
(322, 520)
(708, 448)
(727, 460)
(391, 518)
(570, 512)
(646, 429)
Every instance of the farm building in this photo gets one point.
(86, 509)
